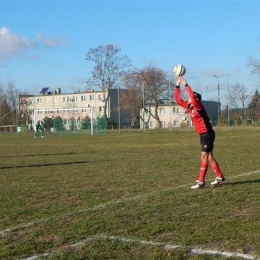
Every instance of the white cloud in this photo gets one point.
(12, 44)
(51, 42)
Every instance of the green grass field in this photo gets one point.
(127, 196)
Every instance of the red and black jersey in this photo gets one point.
(197, 112)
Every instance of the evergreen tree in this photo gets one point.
(48, 123)
(86, 123)
(58, 124)
(254, 106)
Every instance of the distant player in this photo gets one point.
(39, 129)
(201, 122)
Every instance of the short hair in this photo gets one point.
(197, 96)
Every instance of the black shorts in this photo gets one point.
(207, 141)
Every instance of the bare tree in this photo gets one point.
(132, 98)
(239, 98)
(109, 66)
(12, 95)
(149, 87)
(25, 109)
(254, 64)
(8, 103)
(156, 89)
(13, 105)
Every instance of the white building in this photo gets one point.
(68, 106)
(175, 116)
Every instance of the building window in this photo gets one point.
(83, 109)
(162, 124)
(83, 98)
(151, 124)
(91, 97)
(101, 97)
(175, 110)
(65, 99)
(176, 123)
(189, 123)
(162, 111)
(39, 100)
(101, 109)
(56, 100)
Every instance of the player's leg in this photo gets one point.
(216, 169)
(206, 141)
(200, 183)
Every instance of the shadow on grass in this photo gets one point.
(46, 154)
(50, 164)
(242, 182)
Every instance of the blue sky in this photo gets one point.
(43, 43)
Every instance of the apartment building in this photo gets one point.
(173, 115)
(68, 106)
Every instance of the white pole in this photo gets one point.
(218, 101)
(53, 112)
(228, 105)
(91, 119)
(16, 113)
(119, 121)
(143, 111)
(170, 102)
(34, 118)
(74, 123)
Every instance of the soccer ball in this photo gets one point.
(179, 70)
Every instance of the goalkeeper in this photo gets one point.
(39, 129)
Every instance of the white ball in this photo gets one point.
(179, 70)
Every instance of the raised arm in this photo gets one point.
(177, 94)
(195, 101)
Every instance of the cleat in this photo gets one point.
(218, 181)
(198, 185)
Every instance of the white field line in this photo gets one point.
(105, 205)
(165, 246)
(102, 206)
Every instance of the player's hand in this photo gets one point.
(178, 81)
(183, 81)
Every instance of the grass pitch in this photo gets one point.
(127, 196)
